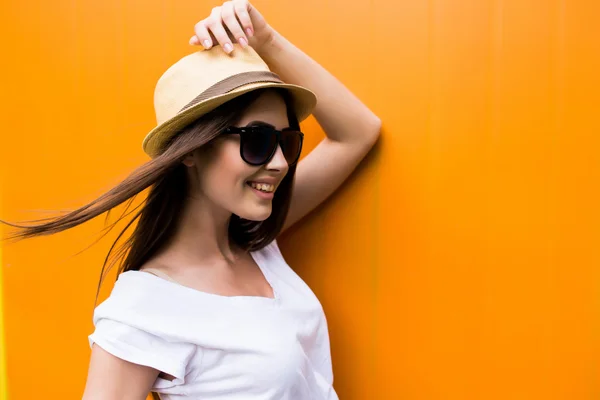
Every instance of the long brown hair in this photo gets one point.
(165, 175)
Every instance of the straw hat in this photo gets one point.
(205, 79)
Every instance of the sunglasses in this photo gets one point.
(258, 144)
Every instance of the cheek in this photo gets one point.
(227, 172)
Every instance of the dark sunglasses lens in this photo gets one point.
(258, 145)
(291, 143)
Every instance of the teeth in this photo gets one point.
(264, 187)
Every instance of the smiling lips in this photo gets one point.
(263, 187)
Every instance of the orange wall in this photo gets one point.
(3, 375)
(460, 261)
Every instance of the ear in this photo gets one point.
(189, 160)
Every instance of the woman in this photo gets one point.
(205, 306)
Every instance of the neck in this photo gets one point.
(201, 236)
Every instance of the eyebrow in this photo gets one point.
(262, 123)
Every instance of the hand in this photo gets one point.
(235, 20)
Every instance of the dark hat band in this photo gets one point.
(233, 82)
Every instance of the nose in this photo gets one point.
(278, 160)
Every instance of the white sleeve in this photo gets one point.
(140, 347)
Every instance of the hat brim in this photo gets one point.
(303, 101)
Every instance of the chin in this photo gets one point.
(256, 215)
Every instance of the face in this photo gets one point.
(221, 175)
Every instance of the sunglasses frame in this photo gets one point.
(278, 133)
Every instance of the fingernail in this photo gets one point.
(243, 42)
(206, 43)
(249, 32)
(228, 48)
(193, 40)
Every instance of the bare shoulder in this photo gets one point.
(157, 269)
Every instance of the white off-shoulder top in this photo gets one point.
(221, 347)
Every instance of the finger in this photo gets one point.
(215, 25)
(241, 9)
(202, 35)
(228, 15)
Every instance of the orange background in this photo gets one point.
(461, 259)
